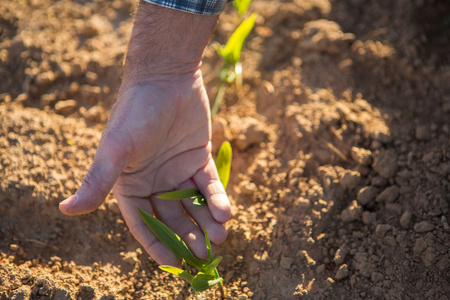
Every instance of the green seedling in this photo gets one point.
(231, 69)
(223, 164)
(231, 52)
(207, 275)
(242, 6)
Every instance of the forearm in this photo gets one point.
(165, 41)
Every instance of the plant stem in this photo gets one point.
(223, 292)
(218, 99)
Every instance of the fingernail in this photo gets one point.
(71, 199)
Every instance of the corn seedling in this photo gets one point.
(242, 6)
(207, 275)
(231, 69)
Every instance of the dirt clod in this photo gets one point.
(65, 107)
(352, 213)
(388, 195)
(423, 226)
(386, 163)
(367, 195)
(405, 220)
(342, 272)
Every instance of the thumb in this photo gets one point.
(98, 182)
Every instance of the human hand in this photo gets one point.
(158, 139)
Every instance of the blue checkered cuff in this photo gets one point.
(202, 7)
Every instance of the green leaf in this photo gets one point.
(186, 266)
(232, 50)
(181, 194)
(171, 240)
(242, 6)
(213, 262)
(223, 163)
(200, 200)
(179, 272)
(209, 267)
(208, 245)
(202, 282)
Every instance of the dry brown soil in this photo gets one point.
(341, 175)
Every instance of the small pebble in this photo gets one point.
(342, 273)
(367, 194)
(329, 282)
(91, 78)
(114, 206)
(350, 180)
(382, 229)
(94, 114)
(320, 269)
(44, 79)
(65, 107)
(423, 226)
(341, 254)
(388, 195)
(352, 213)
(386, 163)
(420, 246)
(361, 156)
(405, 220)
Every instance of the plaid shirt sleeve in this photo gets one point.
(202, 7)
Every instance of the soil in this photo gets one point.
(341, 174)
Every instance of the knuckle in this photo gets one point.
(215, 187)
(137, 228)
(96, 186)
(149, 246)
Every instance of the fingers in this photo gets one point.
(109, 162)
(202, 215)
(208, 182)
(185, 164)
(171, 213)
(154, 247)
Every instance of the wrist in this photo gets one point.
(165, 41)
